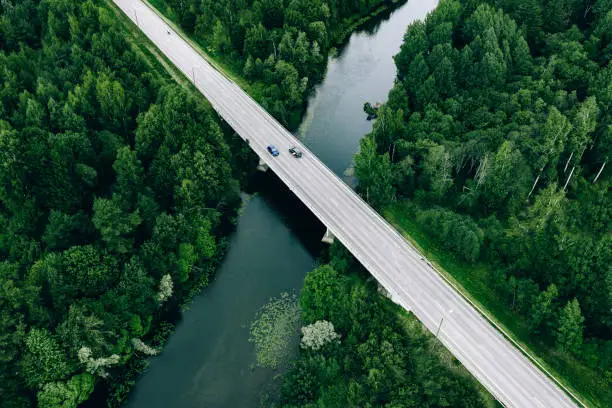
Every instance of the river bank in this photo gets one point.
(208, 359)
(270, 94)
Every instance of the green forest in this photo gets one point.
(494, 143)
(116, 190)
(359, 349)
(279, 46)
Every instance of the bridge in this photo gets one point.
(411, 280)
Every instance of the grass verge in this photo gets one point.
(473, 282)
(157, 62)
(411, 324)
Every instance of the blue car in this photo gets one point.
(273, 150)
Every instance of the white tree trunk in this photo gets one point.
(599, 173)
(569, 178)
(482, 170)
(568, 160)
(534, 184)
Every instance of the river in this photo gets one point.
(208, 361)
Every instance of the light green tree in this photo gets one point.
(569, 327)
(289, 81)
(111, 97)
(81, 327)
(318, 32)
(249, 67)
(68, 394)
(375, 173)
(319, 298)
(186, 259)
(35, 113)
(221, 39)
(437, 167)
(205, 245)
(388, 127)
(521, 56)
(44, 361)
(552, 142)
(585, 123)
(543, 308)
(507, 180)
(417, 73)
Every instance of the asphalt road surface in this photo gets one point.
(410, 280)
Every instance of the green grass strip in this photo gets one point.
(471, 281)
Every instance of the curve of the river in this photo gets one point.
(208, 361)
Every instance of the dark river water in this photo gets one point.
(208, 362)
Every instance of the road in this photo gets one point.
(411, 281)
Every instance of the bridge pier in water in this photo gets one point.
(262, 166)
(328, 238)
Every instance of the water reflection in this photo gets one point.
(208, 362)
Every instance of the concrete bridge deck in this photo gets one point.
(512, 378)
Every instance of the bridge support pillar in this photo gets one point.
(391, 295)
(328, 238)
(262, 166)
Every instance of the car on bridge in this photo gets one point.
(295, 152)
(273, 150)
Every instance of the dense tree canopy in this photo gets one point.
(282, 44)
(503, 142)
(113, 188)
(370, 355)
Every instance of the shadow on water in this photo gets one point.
(208, 361)
(372, 26)
(297, 217)
(363, 71)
